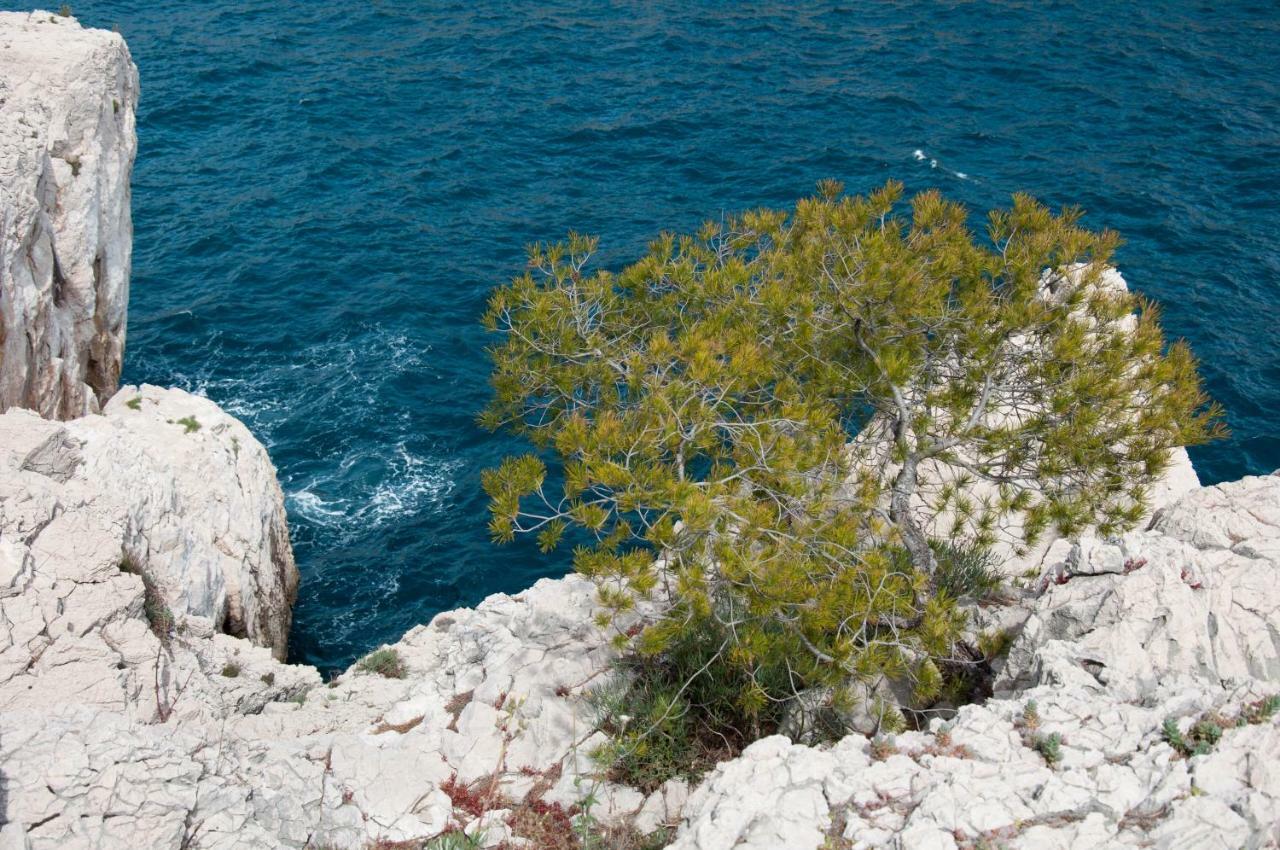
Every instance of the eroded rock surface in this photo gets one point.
(490, 698)
(1123, 636)
(67, 144)
(164, 483)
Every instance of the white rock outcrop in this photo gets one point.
(244, 751)
(67, 144)
(165, 482)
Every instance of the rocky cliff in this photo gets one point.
(165, 485)
(67, 143)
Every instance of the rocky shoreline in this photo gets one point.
(146, 583)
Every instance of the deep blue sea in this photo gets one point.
(325, 192)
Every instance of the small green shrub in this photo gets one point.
(455, 839)
(231, 669)
(1199, 740)
(1260, 711)
(1030, 718)
(996, 644)
(966, 570)
(65, 11)
(134, 403)
(268, 679)
(384, 662)
(1205, 733)
(1050, 747)
(679, 712)
(189, 423)
(883, 746)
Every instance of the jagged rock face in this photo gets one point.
(492, 697)
(165, 480)
(67, 144)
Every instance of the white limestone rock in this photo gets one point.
(171, 483)
(67, 144)
(1153, 605)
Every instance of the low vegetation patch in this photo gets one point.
(678, 713)
(385, 662)
(1206, 731)
(1049, 747)
(154, 607)
(232, 669)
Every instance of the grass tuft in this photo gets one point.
(385, 662)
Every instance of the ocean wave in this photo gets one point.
(370, 488)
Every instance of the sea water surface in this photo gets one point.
(325, 192)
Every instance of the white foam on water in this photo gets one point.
(921, 156)
(407, 484)
(313, 508)
(366, 482)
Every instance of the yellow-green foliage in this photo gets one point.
(700, 402)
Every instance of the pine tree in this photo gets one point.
(759, 424)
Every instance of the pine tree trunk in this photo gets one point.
(913, 537)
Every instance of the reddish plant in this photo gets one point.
(471, 799)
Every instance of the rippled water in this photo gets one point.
(325, 192)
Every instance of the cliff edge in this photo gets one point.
(67, 144)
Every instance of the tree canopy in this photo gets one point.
(786, 409)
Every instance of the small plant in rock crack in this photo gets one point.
(1030, 717)
(1198, 740)
(883, 746)
(268, 679)
(1206, 731)
(231, 669)
(134, 403)
(1260, 711)
(189, 423)
(385, 662)
(996, 644)
(64, 11)
(455, 839)
(1134, 564)
(1049, 747)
